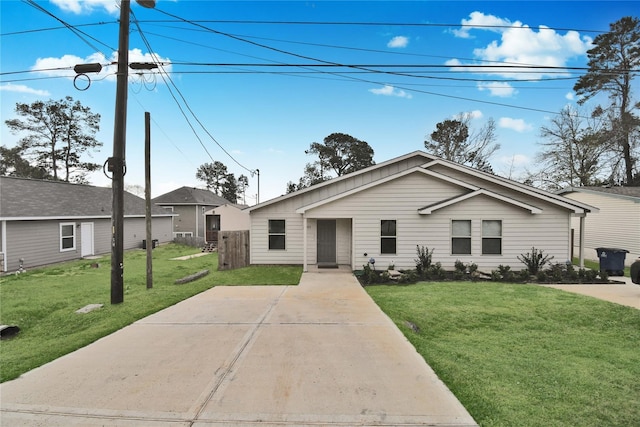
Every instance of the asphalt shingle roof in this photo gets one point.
(620, 191)
(30, 198)
(190, 196)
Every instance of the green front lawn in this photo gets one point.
(524, 355)
(595, 265)
(42, 302)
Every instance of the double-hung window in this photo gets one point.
(388, 236)
(492, 237)
(277, 235)
(461, 237)
(67, 236)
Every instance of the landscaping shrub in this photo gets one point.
(534, 260)
(437, 272)
(524, 275)
(460, 270)
(542, 276)
(556, 272)
(423, 262)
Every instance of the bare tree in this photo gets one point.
(454, 140)
(577, 148)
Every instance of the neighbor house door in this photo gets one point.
(86, 239)
(326, 242)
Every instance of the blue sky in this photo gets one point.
(263, 80)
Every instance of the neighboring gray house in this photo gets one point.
(44, 222)
(386, 210)
(189, 205)
(617, 225)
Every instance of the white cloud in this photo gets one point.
(23, 89)
(570, 96)
(482, 21)
(475, 114)
(63, 66)
(86, 6)
(520, 44)
(398, 42)
(517, 125)
(501, 89)
(388, 90)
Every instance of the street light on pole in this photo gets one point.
(116, 163)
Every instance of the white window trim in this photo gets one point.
(394, 237)
(501, 237)
(277, 234)
(74, 236)
(183, 234)
(453, 236)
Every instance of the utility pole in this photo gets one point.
(116, 164)
(147, 196)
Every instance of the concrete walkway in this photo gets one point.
(321, 353)
(624, 294)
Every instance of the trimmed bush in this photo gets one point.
(534, 260)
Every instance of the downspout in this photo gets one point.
(304, 243)
(581, 250)
(196, 221)
(4, 246)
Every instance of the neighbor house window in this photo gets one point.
(492, 237)
(388, 236)
(67, 236)
(461, 237)
(183, 234)
(276, 234)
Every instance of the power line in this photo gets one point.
(377, 24)
(162, 74)
(64, 27)
(72, 28)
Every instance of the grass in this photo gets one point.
(524, 355)
(42, 302)
(595, 265)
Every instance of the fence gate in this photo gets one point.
(233, 249)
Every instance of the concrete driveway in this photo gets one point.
(321, 353)
(625, 293)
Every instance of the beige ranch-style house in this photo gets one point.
(385, 211)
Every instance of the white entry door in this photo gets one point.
(86, 239)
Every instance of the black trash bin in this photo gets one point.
(635, 272)
(612, 260)
(154, 244)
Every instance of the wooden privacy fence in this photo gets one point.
(233, 249)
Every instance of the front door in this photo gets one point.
(86, 239)
(326, 242)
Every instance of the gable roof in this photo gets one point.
(341, 178)
(22, 199)
(443, 204)
(629, 193)
(430, 161)
(190, 196)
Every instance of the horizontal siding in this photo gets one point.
(186, 220)
(616, 225)
(401, 199)
(38, 242)
(343, 241)
(259, 235)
